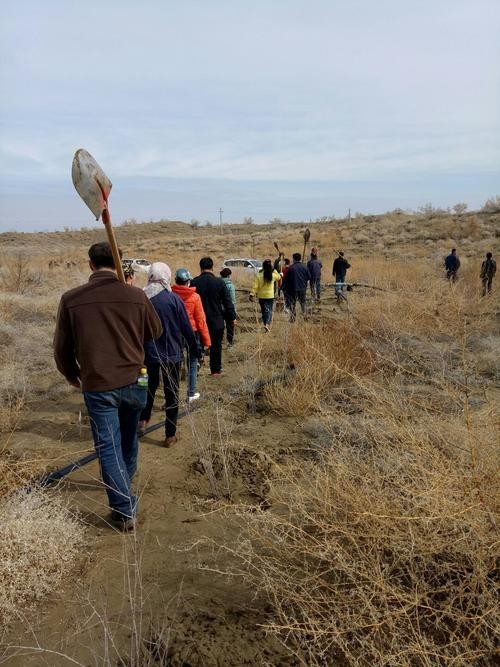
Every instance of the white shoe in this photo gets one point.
(194, 397)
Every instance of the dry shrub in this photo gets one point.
(12, 398)
(381, 544)
(17, 274)
(39, 542)
(384, 551)
(323, 355)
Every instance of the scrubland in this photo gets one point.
(333, 499)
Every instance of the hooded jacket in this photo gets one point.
(177, 331)
(195, 312)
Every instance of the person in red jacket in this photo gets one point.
(196, 314)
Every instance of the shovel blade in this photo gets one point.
(90, 182)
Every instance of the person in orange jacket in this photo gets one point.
(196, 314)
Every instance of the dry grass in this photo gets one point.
(323, 355)
(39, 542)
(383, 550)
(381, 545)
(379, 538)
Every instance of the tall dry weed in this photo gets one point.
(381, 545)
(383, 550)
(322, 355)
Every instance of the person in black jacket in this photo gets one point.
(217, 305)
(340, 266)
(452, 264)
(488, 270)
(295, 285)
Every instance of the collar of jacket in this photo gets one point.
(103, 275)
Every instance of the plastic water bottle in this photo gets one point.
(143, 378)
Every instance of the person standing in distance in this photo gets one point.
(452, 264)
(99, 341)
(339, 270)
(488, 270)
(217, 305)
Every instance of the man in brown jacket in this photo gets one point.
(99, 347)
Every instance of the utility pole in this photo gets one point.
(220, 219)
(349, 215)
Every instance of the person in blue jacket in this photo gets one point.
(314, 267)
(295, 286)
(164, 356)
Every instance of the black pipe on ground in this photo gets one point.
(49, 478)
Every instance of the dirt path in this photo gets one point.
(155, 583)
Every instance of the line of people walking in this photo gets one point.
(115, 342)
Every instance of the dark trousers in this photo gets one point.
(230, 331)
(291, 299)
(487, 284)
(170, 373)
(216, 336)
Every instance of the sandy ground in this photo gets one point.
(161, 577)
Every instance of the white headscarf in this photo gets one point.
(159, 276)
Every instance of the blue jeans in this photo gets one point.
(192, 374)
(114, 416)
(266, 308)
(316, 289)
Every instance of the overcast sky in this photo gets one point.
(287, 108)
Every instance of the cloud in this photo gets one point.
(288, 90)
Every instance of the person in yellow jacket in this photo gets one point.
(263, 289)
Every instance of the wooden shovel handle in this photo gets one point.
(114, 247)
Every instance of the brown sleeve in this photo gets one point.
(152, 326)
(64, 346)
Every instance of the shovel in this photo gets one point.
(94, 187)
(307, 236)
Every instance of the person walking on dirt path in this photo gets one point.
(295, 286)
(217, 306)
(225, 274)
(263, 288)
(314, 267)
(164, 355)
(99, 340)
(488, 270)
(196, 314)
(339, 270)
(452, 264)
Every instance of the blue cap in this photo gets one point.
(183, 275)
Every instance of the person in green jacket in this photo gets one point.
(263, 289)
(226, 277)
